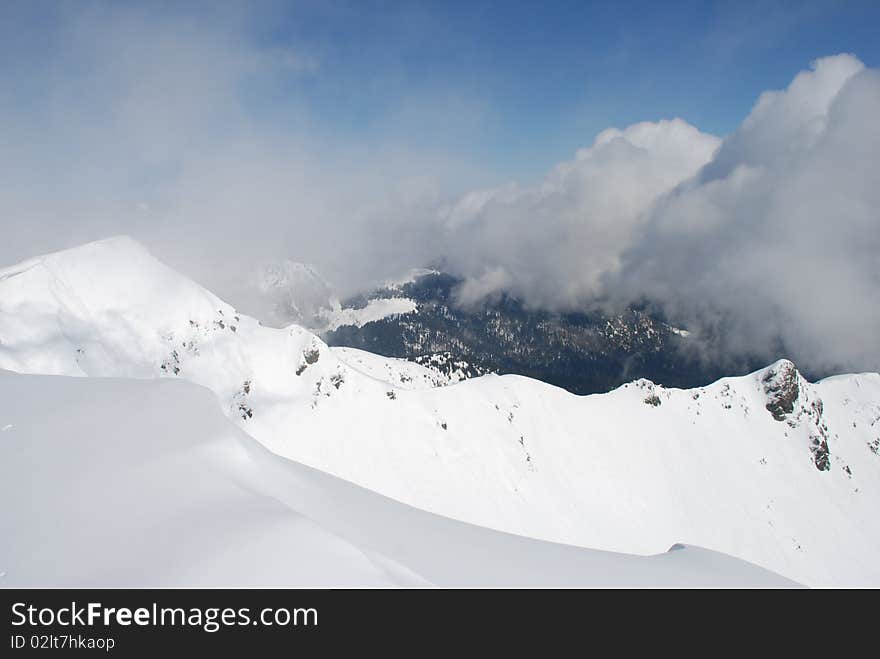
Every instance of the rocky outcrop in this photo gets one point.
(789, 400)
(781, 386)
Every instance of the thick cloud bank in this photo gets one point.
(551, 243)
(778, 238)
(767, 242)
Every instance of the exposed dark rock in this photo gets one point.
(652, 399)
(781, 386)
(310, 356)
(821, 454)
(245, 411)
(172, 363)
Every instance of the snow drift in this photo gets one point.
(146, 483)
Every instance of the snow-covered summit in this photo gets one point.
(97, 309)
(103, 277)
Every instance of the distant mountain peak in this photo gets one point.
(289, 292)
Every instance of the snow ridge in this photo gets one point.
(112, 502)
(767, 467)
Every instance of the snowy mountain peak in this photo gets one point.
(118, 252)
(290, 292)
(104, 308)
(790, 398)
(105, 275)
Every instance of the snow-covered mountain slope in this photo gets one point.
(755, 466)
(123, 482)
(399, 373)
(288, 292)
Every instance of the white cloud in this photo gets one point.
(765, 243)
(550, 243)
(785, 124)
(776, 245)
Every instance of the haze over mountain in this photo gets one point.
(582, 352)
(223, 149)
(288, 292)
(769, 468)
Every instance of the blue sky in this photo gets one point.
(512, 87)
(525, 83)
(542, 78)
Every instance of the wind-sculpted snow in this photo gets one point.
(767, 467)
(147, 484)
